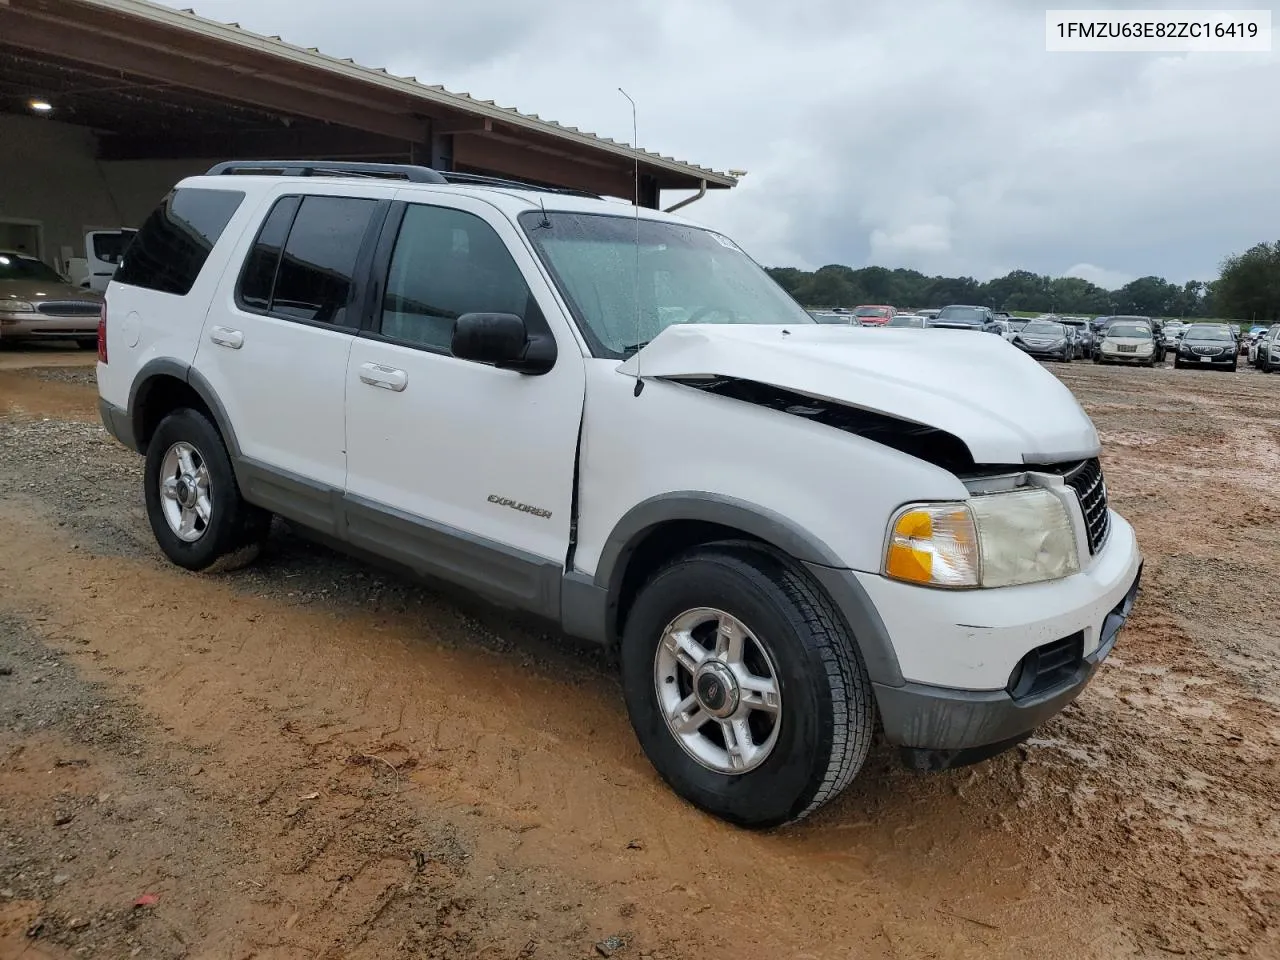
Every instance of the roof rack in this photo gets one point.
(405, 171)
(321, 168)
(480, 179)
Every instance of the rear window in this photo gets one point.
(171, 248)
(974, 315)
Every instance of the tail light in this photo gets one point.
(102, 333)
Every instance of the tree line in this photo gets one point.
(1247, 289)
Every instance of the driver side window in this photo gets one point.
(446, 263)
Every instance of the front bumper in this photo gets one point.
(1050, 353)
(957, 652)
(36, 326)
(1111, 356)
(1227, 359)
(938, 728)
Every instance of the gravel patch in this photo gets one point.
(86, 376)
(81, 477)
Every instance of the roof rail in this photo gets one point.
(482, 180)
(323, 168)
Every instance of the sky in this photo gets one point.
(939, 136)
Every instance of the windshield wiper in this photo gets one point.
(631, 349)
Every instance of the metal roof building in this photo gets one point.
(150, 83)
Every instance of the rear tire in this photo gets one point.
(202, 519)
(818, 734)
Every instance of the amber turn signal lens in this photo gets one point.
(935, 545)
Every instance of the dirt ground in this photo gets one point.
(313, 759)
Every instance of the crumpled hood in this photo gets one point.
(979, 387)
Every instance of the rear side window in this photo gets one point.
(171, 248)
(302, 265)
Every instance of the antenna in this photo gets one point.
(635, 146)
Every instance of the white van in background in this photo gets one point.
(103, 250)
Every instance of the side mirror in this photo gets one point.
(502, 340)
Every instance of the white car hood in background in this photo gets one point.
(982, 389)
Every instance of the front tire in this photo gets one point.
(194, 504)
(85, 343)
(796, 721)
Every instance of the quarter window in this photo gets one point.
(447, 263)
(170, 250)
(258, 278)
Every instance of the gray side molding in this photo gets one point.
(864, 622)
(196, 381)
(202, 386)
(141, 386)
(584, 609)
(589, 606)
(768, 525)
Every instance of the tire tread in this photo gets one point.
(852, 701)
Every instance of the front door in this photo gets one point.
(455, 467)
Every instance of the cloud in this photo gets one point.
(1099, 276)
(944, 138)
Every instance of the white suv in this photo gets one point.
(614, 419)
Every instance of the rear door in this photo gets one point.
(275, 345)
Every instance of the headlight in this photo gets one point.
(1108, 345)
(998, 540)
(1145, 348)
(17, 306)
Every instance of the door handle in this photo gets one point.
(388, 378)
(226, 337)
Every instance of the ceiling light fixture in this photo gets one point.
(40, 106)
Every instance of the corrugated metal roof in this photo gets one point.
(233, 33)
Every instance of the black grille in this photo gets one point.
(1046, 667)
(1086, 481)
(69, 308)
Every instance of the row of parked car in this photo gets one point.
(1140, 340)
(1261, 346)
